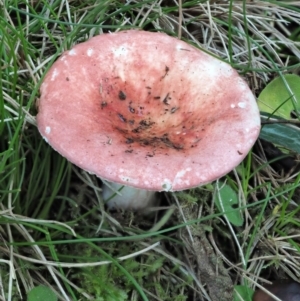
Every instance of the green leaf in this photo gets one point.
(281, 96)
(41, 293)
(225, 199)
(282, 134)
(242, 293)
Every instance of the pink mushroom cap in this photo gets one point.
(147, 110)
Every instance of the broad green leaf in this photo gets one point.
(282, 134)
(277, 96)
(226, 199)
(242, 293)
(41, 293)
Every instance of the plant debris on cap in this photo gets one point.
(147, 110)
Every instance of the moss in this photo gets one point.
(108, 283)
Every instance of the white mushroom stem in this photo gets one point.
(118, 196)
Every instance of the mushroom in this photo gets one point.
(148, 111)
(284, 290)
